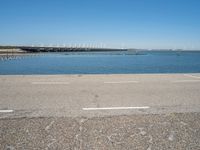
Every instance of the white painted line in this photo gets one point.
(185, 81)
(116, 108)
(50, 83)
(6, 111)
(120, 82)
(192, 76)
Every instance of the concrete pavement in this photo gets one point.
(99, 95)
(134, 132)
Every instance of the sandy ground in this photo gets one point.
(2, 51)
(12, 53)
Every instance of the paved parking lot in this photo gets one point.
(100, 112)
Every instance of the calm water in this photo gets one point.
(104, 63)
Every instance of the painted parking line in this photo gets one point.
(185, 81)
(116, 108)
(6, 111)
(192, 76)
(50, 83)
(120, 82)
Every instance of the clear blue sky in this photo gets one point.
(130, 23)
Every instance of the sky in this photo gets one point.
(148, 24)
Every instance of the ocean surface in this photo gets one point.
(125, 62)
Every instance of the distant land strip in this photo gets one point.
(37, 49)
(31, 49)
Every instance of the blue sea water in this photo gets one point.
(125, 62)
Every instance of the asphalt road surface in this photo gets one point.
(144, 111)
